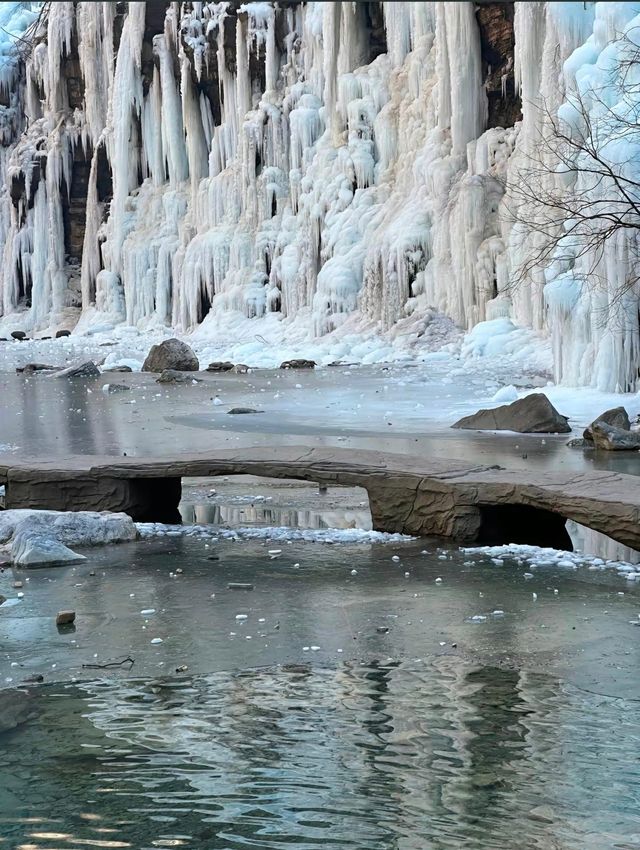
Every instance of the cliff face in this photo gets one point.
(184, 164)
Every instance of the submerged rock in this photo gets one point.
(533, 414)
(238, 410)
(298, 364)
(612, 439)
(220, 366)
(171, 354)
(616, 416)
(80, 370)
(173, 376)
(119, 369)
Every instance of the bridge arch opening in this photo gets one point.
(503, 524)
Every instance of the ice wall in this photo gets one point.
(182, 162)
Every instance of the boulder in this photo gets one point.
(220, 366)
(36, 367)
(533, 414)
(173, 376)
(61, 334)
(171, 354)
(237, 410)
(109, 389)
(119, 369)
(616, 416)
(80, 370)
(298, 364)
(19, 335)
(612, 439)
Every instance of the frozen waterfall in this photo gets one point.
(174, 163)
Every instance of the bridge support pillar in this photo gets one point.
(144, 499)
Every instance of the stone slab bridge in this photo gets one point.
(406, 494)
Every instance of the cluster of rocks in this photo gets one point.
(611, 432)
(21, 335)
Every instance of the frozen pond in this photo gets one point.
(320, 707)
(397, 408)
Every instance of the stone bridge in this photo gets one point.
(406, 494)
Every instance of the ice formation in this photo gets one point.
(170, 164)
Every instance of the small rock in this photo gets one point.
(239, 585)
(63, 333)
(65, 618)
(17, 584)
(156, 641)
(182, 668)
(173, 376)
(109, 389)
(383, 630)
(19, 335)
(220, 366)
(238, 410)
(298, 364)
(35, 679)
(119, 369)
(240, 369)
(30, 368)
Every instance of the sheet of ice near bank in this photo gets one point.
(265, 164)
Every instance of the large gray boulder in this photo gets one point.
(533, 414)
(616, 416)
(171, 354)
(612, 439)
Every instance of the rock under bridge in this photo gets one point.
(406, 494)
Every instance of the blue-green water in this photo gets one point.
(444, 754)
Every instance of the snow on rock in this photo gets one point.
(297, 171)
(277, 534)
(33, 537)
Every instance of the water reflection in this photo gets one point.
(272, 515)
(378, 756)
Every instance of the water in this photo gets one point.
(440, 755)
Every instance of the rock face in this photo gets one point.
(612, 439)
(533, 414)
(43, 537)
(81, 370)
(173, 376)
(171, 354)
(220, 366)
(616, 416)
(298, 364)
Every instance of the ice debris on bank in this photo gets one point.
(282, 533)
(535, 557)
(317, 160)
(30, 537)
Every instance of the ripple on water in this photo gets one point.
(362, 757)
